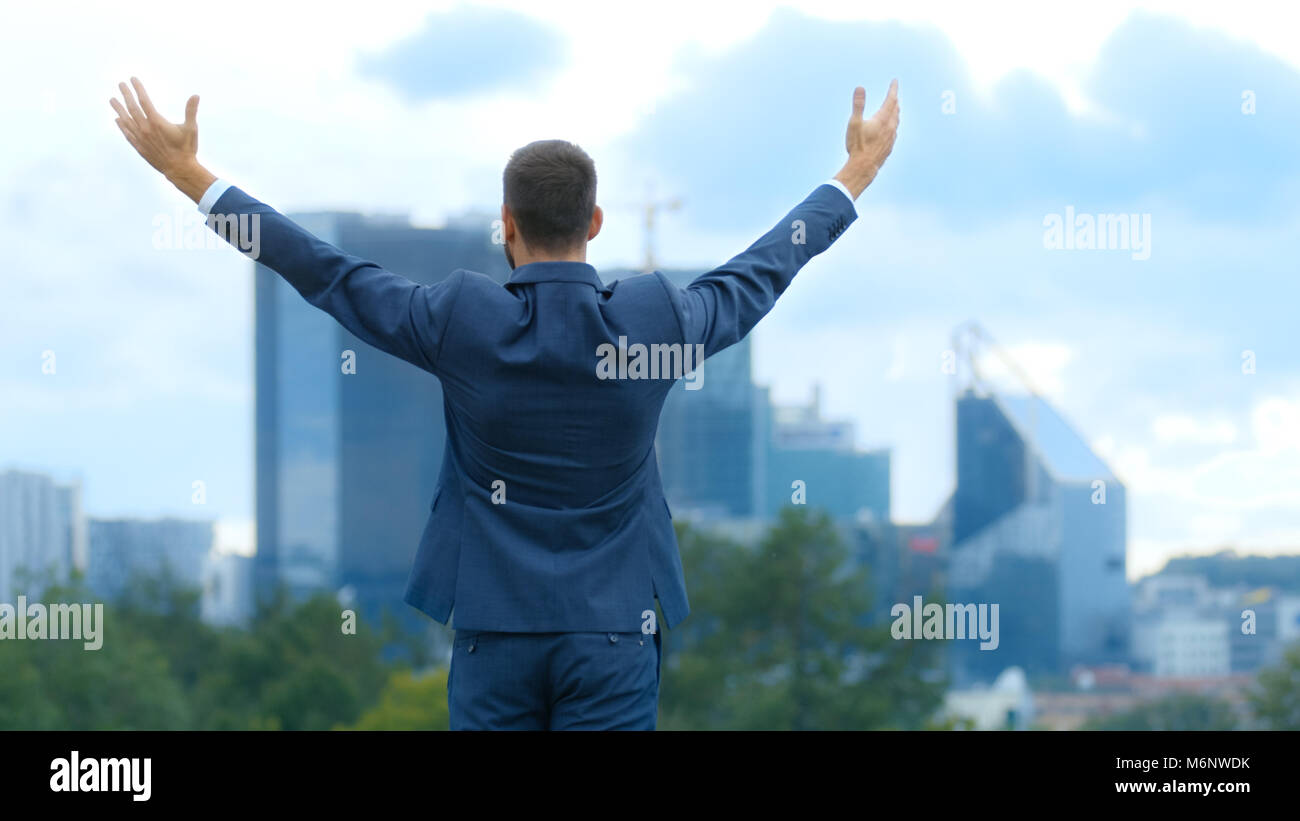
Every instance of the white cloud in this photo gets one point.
(1276, 425)
(1043, 363)
(1175, 429)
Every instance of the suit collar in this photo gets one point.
(556, 271)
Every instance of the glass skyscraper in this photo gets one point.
(1038, 528)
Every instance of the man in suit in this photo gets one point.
(548, 534)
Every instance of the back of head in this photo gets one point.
(550, 189)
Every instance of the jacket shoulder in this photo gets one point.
(647, 299)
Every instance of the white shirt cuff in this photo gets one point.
(843, 188)
(213, 194)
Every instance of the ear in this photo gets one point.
(597, 220)
(507, 224)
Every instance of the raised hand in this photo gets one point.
(868, 141)
(169, 147)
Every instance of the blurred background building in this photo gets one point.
(1039, 526)
(228, 589)
(46, 538)
(121, 549)
(42, 533)
(838, 477)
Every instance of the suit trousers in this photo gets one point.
(554, 681)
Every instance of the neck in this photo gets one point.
(525, 257)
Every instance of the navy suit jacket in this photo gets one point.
(549, 514)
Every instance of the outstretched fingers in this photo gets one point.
(889, 108)
(131, 106)
(124, 120)
(145, 102)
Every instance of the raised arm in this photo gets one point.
(381, 308)
(719, 308)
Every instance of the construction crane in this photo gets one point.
(650, 209)
(968, 339)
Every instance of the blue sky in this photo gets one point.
(396, 109)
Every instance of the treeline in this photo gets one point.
(161, 667)
(778, 638)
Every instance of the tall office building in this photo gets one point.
(1038, 528)
(121, 549)
(347, 462)
(42, 533)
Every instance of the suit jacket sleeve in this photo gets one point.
(383, 309)
(719, 308)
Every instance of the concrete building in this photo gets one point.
(123, 549)
(1190, 646)
(42, 533)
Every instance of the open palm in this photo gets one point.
(164, 145)
(871, 140)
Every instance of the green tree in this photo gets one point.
(161, 667)
(126, 684)
(408, 702)
(1276, 696)
(779, 638)
(294, 669)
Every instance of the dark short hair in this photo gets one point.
(550, 188)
